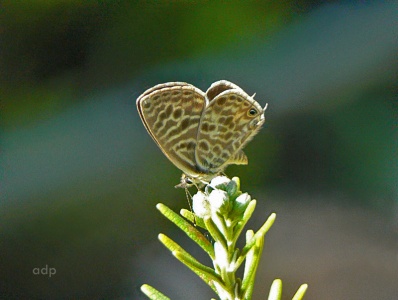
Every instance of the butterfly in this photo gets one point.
(200, 133)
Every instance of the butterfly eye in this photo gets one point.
(252, 112)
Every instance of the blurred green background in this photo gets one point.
(80, 176)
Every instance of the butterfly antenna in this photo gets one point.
(265, 107)
(189, 198)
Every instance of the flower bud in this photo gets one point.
(241, 202)
(201, 205)
(219, 201)
(219, 182)
(232, 188)
(243, 199)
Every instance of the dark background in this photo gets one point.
(80, 176)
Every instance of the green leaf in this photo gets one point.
(193, 218)
(237, 181)
(300, 292)
(189, 230)
(205, 273)
(153, 293)
(251, 265)
(215, 232)
(171, 245)
(246, 216)
(188, 259)
(219, 221)
(275, 292)
(259, 234)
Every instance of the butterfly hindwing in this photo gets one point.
(228, 123)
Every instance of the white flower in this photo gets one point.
(219, 200)
(201, 205)
(219, 180)
(243, 199)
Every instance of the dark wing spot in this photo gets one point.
(181, 146)
(204, 146)
(191, 146)
(217, 109)
(217, 90)
(146, 104)
(169, 110)
(221, 101)
(205, 164)
(162, 116)
(212, 127)
(217, 150)
(228, 135)
(177, 113)
(184, 123)
(228, 120)
(173, 133)
(219, 161)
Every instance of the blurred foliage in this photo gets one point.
(59, 46)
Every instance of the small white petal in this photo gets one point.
(240, 206)
(243, 199)
(219, 180)
(218, 200)
(201, 205)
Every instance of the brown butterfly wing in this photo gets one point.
(228, 123)
(171, 113)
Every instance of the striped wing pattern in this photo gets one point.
(228, 123)
(171, 113)
(200, 133)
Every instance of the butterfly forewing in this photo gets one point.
(228, 123)
(171, 114)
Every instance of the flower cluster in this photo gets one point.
(221, 197)
(220, 209)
